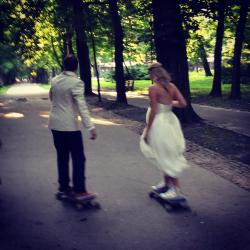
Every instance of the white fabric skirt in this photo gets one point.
(166, 143)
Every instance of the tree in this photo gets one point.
(203, 56)
(216, 88)
(17, 31)
(82, 47)
(235, 89)
(118, 41)
(171, 50)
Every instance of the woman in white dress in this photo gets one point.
(162, 141)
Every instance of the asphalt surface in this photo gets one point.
(31, 217)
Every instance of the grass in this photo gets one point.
(45, 86)
(3, 89)
(200, 87)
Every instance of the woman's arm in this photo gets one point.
(50, 93)
(153, 107)
(178, 99)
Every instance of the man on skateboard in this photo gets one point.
(67, 102)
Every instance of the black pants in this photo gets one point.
(70, 143)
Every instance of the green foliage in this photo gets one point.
(33, 34)
(135, 72)
(245, 74)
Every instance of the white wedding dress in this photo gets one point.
(166, 144)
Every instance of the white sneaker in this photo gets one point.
(173, 194)
(160, 188)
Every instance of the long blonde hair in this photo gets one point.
(161, 75)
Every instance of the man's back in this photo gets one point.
(67, 102)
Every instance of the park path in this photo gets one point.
(26, 89)
(237, 121)
(31, 218)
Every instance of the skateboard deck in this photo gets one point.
(179, 204)
(87, 203)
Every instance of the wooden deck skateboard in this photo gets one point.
(178, 204)
(87, 203)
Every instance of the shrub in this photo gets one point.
(136, 72)
(245, 74)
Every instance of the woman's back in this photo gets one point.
(164, 96)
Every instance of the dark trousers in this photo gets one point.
(70, 143)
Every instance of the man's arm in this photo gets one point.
(78, 96)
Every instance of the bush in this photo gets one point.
(245, 74)
(109, 75)
(136, 72)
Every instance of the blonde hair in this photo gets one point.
(161, 75)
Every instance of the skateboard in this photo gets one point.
(87, 203)
(178, 204)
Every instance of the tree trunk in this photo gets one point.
(203, 57)
(171, 51)
(95, 65)
(216, 89)
(41, 76)
(67, 44)
(118, 40)
(70, 50)
(59, 62)
(82, 47)
(239, 37)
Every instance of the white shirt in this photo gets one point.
(68, 102)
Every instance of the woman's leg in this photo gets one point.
(171, 181)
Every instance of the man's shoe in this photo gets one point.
(85, 196)
(65, 194)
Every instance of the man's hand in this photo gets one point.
(93, 134)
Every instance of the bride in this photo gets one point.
(162, 141)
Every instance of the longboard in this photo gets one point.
(178, 204)
(87, 203)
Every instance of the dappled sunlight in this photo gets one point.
(96, 109)
(130, 94)
(12, 115)
(101, 121)
(44, 114)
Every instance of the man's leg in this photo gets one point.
(78, 161)
(60, 142)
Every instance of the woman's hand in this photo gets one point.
(145, 133)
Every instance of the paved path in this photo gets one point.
(26, 89)
(237, 121)
(31, 218)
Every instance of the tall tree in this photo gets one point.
(239, 37)
(82, 47)
(171, 50)
(216, 88)
(118, 40)
(203, 56)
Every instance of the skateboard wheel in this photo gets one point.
(59, 197)
(96, 205)
(151, 195)
(79, 206)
